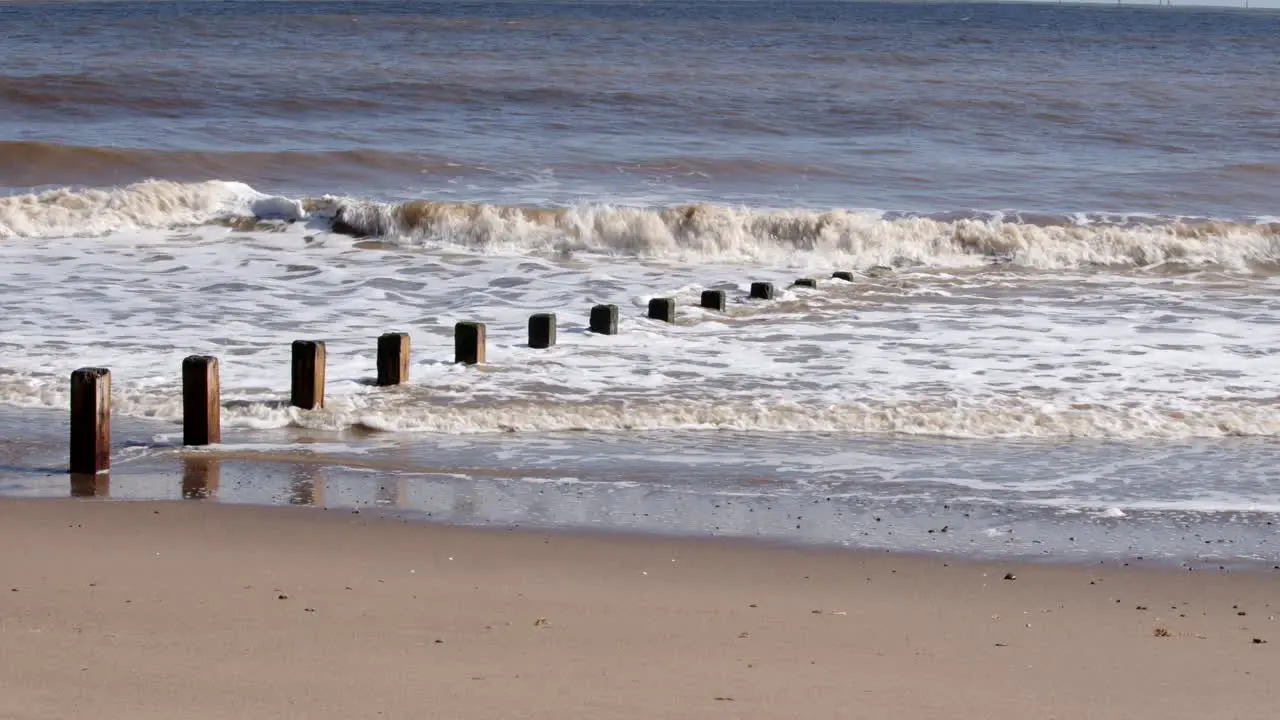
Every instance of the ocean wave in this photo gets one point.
(151, 204)
(851, 239)
(995, 418)
(847, 238)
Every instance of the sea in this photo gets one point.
(1060, 339)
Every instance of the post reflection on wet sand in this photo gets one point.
(391, 492)
(200, 477)
(91, 485)
(306, 484)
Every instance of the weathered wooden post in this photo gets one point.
(468, 343)
(393, 358)
(604, 319)
(805, 283)
(843, 275)
(308, 374)
(542, 330)
(95, 485)
(714, 300)
(90, 421)
(201, 406)
(663, 309)
(762, 291)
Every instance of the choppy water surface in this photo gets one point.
(1061, 222)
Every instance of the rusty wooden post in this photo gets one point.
(714, 300)
(843, 275)
(90, 421)
(604, 319)
(393, 358)
(663, 309)
(761, 291)
(201, 406)
(468, 343)
(308, 375)
(542, 330)
(91, 485)
(805, 283)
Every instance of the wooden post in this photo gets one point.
(663, 309)
(604, 319)
(761, 291)
(201, 407)
(714, 300)
(843, 275)
(805, 283)
(308, 374)
(393, 359)
(90, 421)
(468, 343)
(95, 485)
(542, 330)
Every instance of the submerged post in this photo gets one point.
(843, 275)
(663, 309)
(604, 319)
(393, 358)
(714, 300)
(468, 343)
(762, 291)
(542, 330)
(308, 375)
(805, 282)
(90, 421)
(201, 407)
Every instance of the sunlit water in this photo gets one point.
(1060, 339)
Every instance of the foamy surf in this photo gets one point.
(152, 204)
(788, 237)
(991, 418)
(797, 237)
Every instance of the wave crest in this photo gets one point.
(795, 236)
(692, 233)
(151, 204)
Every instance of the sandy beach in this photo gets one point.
(200, 610)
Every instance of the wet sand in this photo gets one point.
(199, 610)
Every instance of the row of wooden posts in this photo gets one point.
(201, 396)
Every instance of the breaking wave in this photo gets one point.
(697, 233)
(993, 419)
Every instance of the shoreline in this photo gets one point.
(623, 484)
(141, 610)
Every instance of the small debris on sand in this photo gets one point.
(1010, 576)
(541, 622)
(1161, 632)
(282, 596)
(1259, 641)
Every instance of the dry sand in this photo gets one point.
(200, 610)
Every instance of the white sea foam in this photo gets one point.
(1001, 351)
(799, 237)
(151, 204)
(697, 233)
